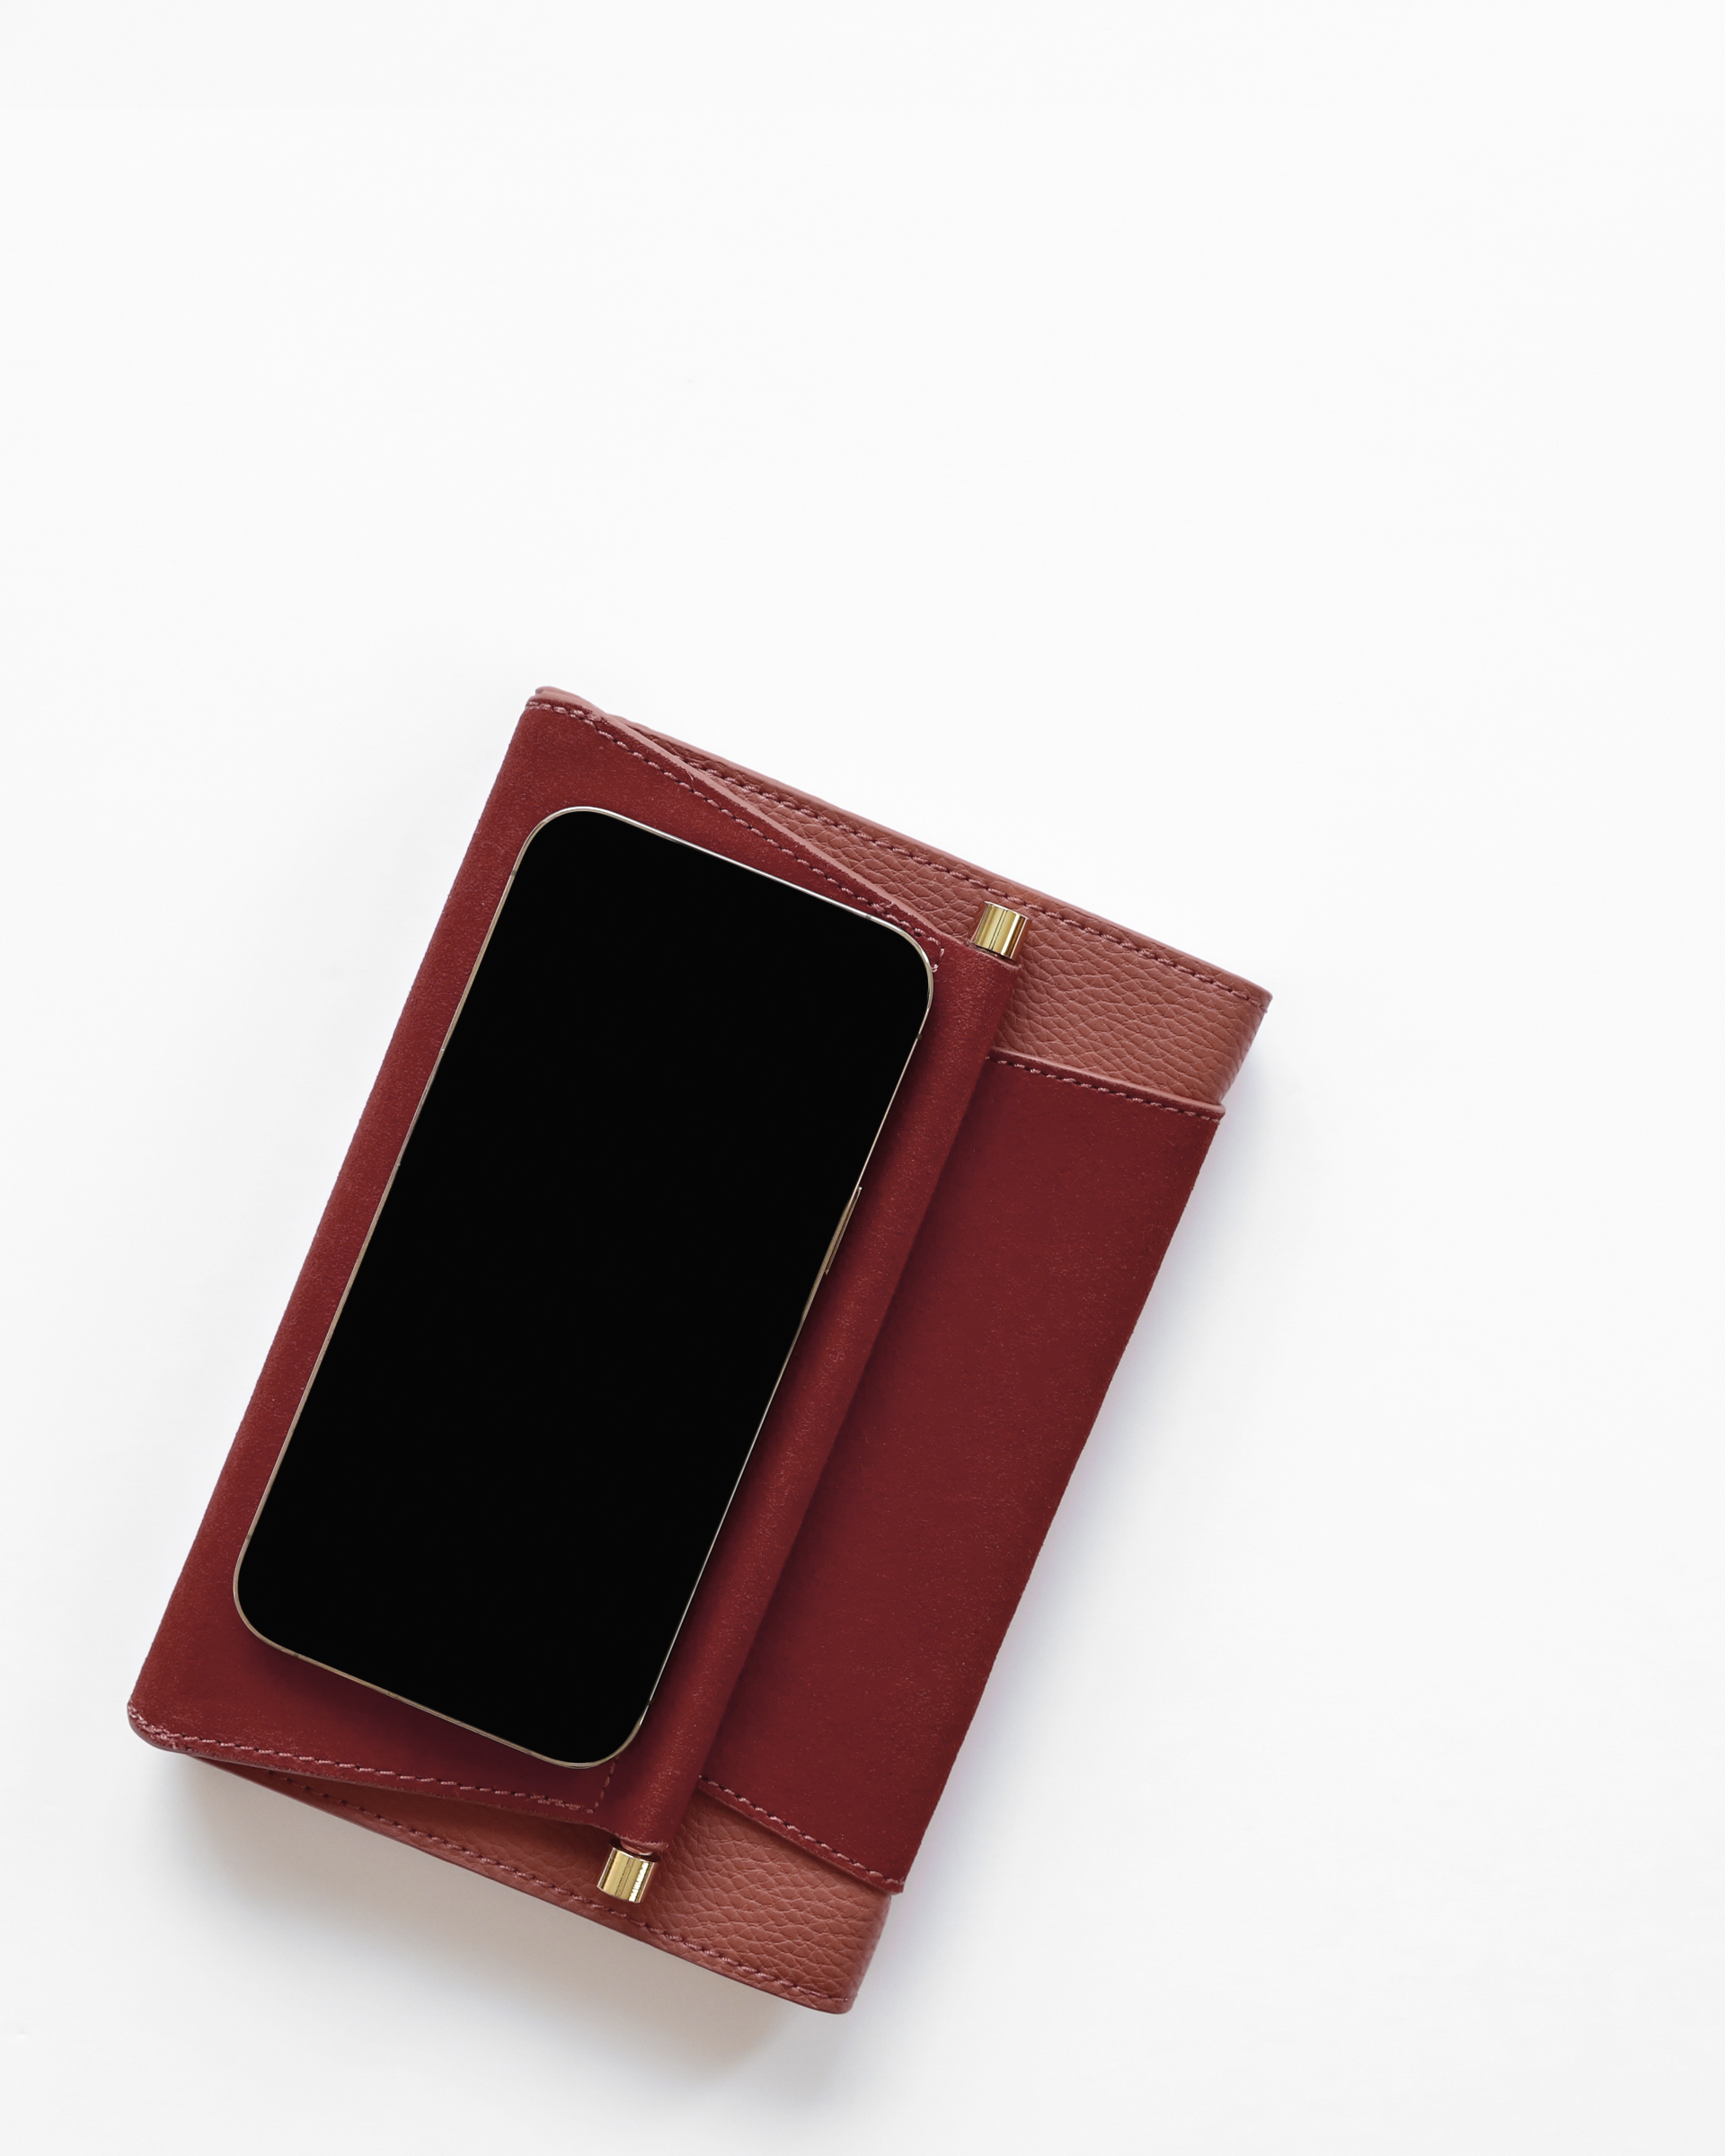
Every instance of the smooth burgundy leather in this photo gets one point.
(946, 1417)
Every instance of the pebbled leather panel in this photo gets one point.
(1094, 995)
(1033, 1263)
(727, 1897)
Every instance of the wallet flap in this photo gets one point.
(211, 1686)
(1027, 1279)
(1094, 996)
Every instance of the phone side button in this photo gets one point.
(839, 1232)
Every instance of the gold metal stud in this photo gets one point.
(627, 1876)
(1000, 929)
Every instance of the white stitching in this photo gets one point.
(596, 720)
(855, 1863)
(1093, 1085)
(561, 1894)
(927, 861)
(182, 1740)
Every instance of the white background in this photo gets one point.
(1252, 469)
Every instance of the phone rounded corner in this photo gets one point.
(239, 1607)
(908, 936)
(555, 817)
(583, 1766)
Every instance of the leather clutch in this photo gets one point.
(1032, 1172)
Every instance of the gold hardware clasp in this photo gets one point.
(627, 1876)
(1000, 929)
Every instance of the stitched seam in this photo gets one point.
(1094, 1085)
(179, 1739)
(927, 861)
(855, 1862)
(560, 1893)
(565, 711)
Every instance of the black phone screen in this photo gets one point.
(601, 1239)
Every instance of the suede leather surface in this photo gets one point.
(1026, 1185)
(1033, 1263)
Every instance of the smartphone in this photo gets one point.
(624, 1183)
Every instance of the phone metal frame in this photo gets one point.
(580, 809)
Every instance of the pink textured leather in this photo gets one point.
(727, 1897)
(1012, 1221)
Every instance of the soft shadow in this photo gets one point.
(309, 1871)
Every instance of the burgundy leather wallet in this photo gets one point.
(1026, 1185)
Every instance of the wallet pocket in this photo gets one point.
(1028, 1276)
